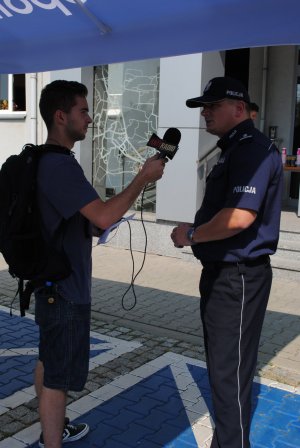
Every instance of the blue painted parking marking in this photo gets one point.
(164, 403)
(167, 403)
(19, 352)
(157, 412)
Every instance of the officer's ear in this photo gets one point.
(240, 109)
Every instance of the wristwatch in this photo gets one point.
(190, 234)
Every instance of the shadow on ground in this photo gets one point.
(177, 316)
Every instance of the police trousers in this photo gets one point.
(234, 298)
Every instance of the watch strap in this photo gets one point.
(190, 234)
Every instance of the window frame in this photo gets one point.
(9, 113)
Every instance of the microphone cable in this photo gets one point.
(133, 275)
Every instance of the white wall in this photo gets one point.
(13, 137)
(212, 66)
(176, 191)
(182, 77)
(43, 79)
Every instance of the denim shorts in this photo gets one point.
(64, 340)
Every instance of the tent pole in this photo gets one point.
(33, 108)
(104, 29)
(264, 90)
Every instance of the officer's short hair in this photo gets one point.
(254, 106)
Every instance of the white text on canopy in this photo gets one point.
(10, 7)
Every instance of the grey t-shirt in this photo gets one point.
(62, 191)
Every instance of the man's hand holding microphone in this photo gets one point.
(167, 147)
(152, 170)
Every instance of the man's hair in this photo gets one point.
(59, 95)
(254, 106)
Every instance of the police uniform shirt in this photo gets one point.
(248, 175)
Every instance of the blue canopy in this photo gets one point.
(42, 35)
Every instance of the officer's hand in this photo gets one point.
(179, 237)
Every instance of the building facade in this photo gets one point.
(130, 101)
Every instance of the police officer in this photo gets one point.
(234, 232)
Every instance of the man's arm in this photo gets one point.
(104, 214)
(226, 223)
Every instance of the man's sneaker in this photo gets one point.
(71, 432)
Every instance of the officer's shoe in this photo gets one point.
(71, 433)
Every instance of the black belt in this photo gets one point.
(263, 259)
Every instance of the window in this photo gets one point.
(125, 116)
(12, 93)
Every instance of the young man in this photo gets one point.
(234, 232)
(63, 310)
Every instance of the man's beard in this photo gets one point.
(77, 136)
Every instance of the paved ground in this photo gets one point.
(148, 384)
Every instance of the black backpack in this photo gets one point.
(24, 249)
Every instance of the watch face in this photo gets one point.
(190, 234)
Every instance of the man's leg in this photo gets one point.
(52, 406)
(233, 304)
(63, 365)
(39, 378)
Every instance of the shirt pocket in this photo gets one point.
(216, 185)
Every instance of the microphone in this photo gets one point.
(168, 145)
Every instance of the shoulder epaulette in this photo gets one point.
(245, 138)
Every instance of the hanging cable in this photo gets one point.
(133, 275)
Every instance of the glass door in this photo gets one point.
(295, 177)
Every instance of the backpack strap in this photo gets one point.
(48, 147)
(24, 295)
